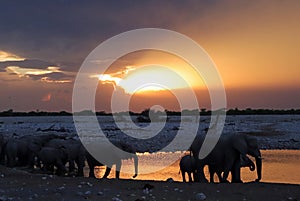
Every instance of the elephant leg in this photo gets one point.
(225, 174)
(91, 172)
(236, 172)
(211, 174)
(211, 177)
(200, 173)
(229, 162)
(195, 176)
(61, 169)
(219, 173)
(183, 176)
(107, 171)
(190, 177)
(71, 166)
(80, 166)
(118, 169)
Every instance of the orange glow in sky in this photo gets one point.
(151, 71)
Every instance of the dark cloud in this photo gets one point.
(66, 31)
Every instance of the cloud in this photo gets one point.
(46, 98)
(66, 31)
(23, 72)
(114, 78)
(27, 63)
(7, 56)
(51, 74)
(34, 69)
(56, 77)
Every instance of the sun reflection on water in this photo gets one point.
(280, 166)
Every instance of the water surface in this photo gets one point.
(279, 166)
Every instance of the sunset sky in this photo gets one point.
(254, 44)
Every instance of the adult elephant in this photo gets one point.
(110, 156)
(22, 150)
(226, 155)
(51, 156)
(245, 162)
(75, 152)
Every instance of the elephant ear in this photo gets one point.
(239, 143)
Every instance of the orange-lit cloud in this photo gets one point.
(114, 78)
(7, 56)
(150, 70)
(143, 79)
(23, 72)
(49, 80)
(47, 97)
(40, 74)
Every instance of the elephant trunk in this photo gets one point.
(252, 167)
(136, 162)
(258, 161)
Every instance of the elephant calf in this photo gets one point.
(188, 165)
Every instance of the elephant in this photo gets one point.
(187, 165)
(22, 150)
(17, 152)
(245, 162)
(111, 157)
(225, 156)
(75, 151)
(51, 157)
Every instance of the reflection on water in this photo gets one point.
(280, 166)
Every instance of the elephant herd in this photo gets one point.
(228, 156)
(51, 153)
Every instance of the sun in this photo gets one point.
(148, 78)
(151, 71)
(152, 78)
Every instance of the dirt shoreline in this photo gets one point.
(20, 185)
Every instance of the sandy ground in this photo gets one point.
(20, 185)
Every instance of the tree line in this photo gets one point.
(147, 112)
